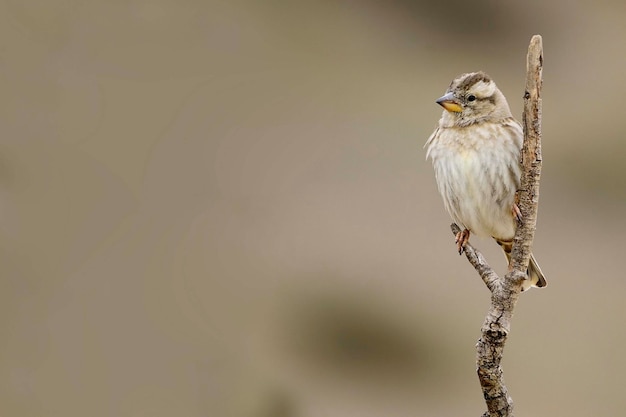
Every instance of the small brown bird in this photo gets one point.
(475, 151)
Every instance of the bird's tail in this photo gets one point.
(535, 276)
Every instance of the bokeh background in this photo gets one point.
(224, 209)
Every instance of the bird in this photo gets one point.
(475, 151)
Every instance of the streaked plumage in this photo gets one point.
(475, 151)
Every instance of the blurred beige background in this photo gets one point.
(224, 209)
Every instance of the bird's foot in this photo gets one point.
(517, 213)
(461, 239)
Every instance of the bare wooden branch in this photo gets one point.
(478, 261)
(528, 195)
(505, 292)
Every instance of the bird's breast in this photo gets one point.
(477, 174)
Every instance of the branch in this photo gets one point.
(505, 292)
(528, 195)
(478, 261)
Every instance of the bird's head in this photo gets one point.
(473, 98)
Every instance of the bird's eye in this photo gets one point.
(471, 97)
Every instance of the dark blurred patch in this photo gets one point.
(358, 336)
(489, 21)
(458, 20)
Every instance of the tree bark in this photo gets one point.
(505, 291)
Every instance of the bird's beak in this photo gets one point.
(449, 103)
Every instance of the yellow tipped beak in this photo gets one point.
(449, 103)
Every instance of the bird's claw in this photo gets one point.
(517, 213)
(461, 239)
